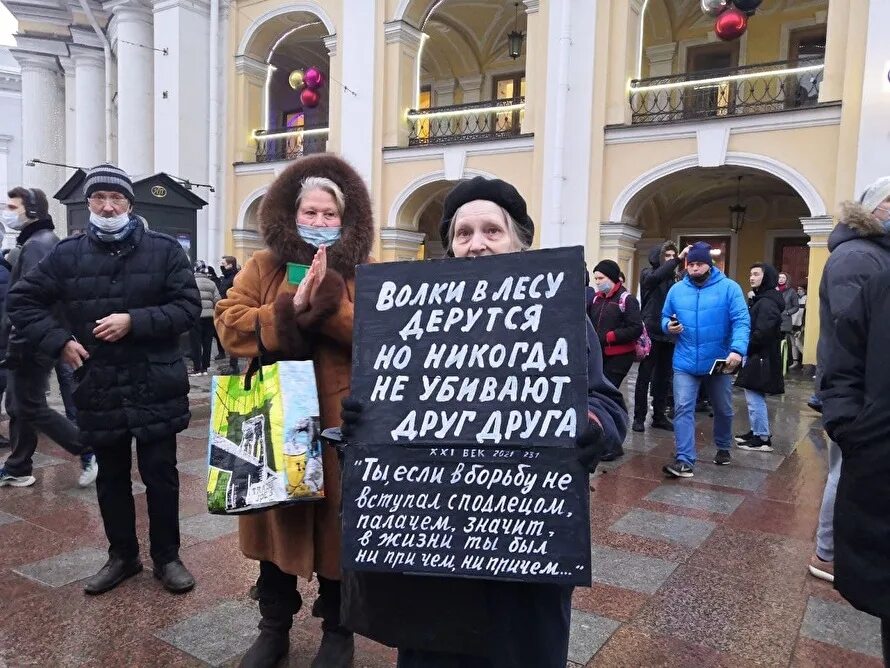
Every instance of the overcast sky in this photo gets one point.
(7, 27)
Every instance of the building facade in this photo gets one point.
(623, 122)
(10, 126)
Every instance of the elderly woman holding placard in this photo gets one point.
(468, 623)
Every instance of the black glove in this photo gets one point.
(350, 416)
(590, 446)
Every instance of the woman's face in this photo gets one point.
(318, 208)
(783, 279)
(601, 280)
(481, 229)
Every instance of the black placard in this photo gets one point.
(475, 351)
(473, 378)
(496, 513)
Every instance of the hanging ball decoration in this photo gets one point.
(747, 6)
(731, 25)
(295, 79)
(310, 98)
(714, 7)
(313, 78)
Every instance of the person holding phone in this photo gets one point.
(707, 315)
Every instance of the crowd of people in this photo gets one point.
(107, 311)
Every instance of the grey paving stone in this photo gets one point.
(843, 626)
(628, 569)
(197, 467)
(42, 461)
(636, 442)
(197, 432)
(217, 634)
(684, 496)
(764, 461)
(733, 475)
(65, 568)
(207, 527)
(6, 518)
(588, 632)
(664, 526)
(88, 494)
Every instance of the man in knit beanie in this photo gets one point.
(707, 315)
(860, 249)
(112, 304)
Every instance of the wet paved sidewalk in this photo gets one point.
(703, 572)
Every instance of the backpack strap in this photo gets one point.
(622, 301)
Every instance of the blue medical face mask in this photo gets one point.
(604, 287)
(316, 236)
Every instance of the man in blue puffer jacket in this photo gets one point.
(708, 315)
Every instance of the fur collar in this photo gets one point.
(277, 212)
(860, 220)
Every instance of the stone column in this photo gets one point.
(250, 84)
(661, 64)
(443, 93)
(9, 236)
(135, 87)
(43, 123)
(618, 241)
(398, 244)
(89, 121)
(817, 228)
(874, 116)
(401, 53)
(472, 88)
(70, 110)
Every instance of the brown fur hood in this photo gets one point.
(277, 214)
(860, 220)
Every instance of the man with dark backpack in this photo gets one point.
(655, 370)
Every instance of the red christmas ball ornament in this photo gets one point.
(310, 98)
(731, 24)
(313, 78)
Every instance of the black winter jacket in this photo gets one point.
(860, 249)
(33, 243)
(137, 385)
(763, 366)
(617, 330)
(655, 281)
(855, 404)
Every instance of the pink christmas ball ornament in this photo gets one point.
(731, 25)
(310, 98)
(313, 78)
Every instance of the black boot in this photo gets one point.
(273, 644)
(336, 651)
(114, 572)
(639, 425)
(660, 421)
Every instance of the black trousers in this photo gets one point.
(615, 367)
(29, 414)
(157, 467)
(280, 600)
(530, 627)
(202, 343)
(655, 371)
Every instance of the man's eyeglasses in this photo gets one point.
(114, 200)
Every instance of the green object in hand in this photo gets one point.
(296, 272)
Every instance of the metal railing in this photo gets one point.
(288, 143)
(480, 121)
(737, 91)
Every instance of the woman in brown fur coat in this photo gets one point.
(317, 211)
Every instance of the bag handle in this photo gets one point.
(256, 364)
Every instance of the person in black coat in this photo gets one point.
(762, 371)
(615, 315)
(126, 294)
(655, 281)
(4, 287)
(855, 393)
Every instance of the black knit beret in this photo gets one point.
(494, 190)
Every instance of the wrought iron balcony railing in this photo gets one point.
(289, 143)
(752, 89)
(480, 121)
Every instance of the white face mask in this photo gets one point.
(13, 220)
(110, 225)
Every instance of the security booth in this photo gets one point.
(166, 204)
